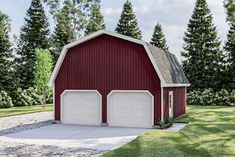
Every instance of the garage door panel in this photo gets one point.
(130, 109)
(81, 107)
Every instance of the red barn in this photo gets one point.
(110, 79)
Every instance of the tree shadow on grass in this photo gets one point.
(163, 147)
(196, 140)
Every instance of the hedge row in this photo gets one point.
(25, 97)
(30, 97)
(209, 97)
(5, 100)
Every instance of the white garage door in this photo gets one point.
(81, 107)
(130, 109)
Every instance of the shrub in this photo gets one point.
(36, 98)
(223, 97)
(27, 97)
(5, 100)
(232, 98)
(21, 98)
(49, 97)
(209, 97)
(166, 123)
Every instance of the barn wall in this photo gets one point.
(107, 63)
(179, 101)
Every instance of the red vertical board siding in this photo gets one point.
(179, 101)
(107, 63)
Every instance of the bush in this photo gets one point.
(21, 98)
(232, 97)
(36, 98)
(209, 97)
(166, 123)
(5, 100)
(27, 97)
(49, 97)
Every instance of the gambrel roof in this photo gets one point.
(165, 64)
(169, 66)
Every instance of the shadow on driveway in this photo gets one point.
(24, 127)
(89, 137)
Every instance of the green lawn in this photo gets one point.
(210, 133)
(24, 110)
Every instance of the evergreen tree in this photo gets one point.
(79, 11)
(158, 38)
(64, 30)
(230, 7)
(34, 34)
(230, 45)
(5, 54)
(96, 21)
(203, 58)
(128, 23)
(70, 17)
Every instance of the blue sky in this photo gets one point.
(172, 14)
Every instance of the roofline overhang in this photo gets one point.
(101, 32)
(176, 85)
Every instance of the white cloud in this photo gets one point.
(172, 14)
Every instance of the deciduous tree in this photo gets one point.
(42, 72)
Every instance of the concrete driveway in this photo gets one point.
(89, 137)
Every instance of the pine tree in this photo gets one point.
(128, 22)
(158, 38)
(70, 17)
(79, 11)
(96, 20)
(5, 54)
(230, 45)
(34, 34)
(64, 30)
(203, 58)
(230, 8)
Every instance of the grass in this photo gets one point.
(210, 133)
(24, 110)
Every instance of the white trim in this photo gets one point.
(53, 101)
(154, 64)
(129, 91)
(89, 37)
(186, 99)
(96, 34)
(73, 90)
(176, 85)
(162, 110)
(172, 103)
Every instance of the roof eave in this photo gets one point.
(177, 85)
(84, 39)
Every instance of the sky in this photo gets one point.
(173, 15)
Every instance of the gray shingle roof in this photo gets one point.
(168, 66)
